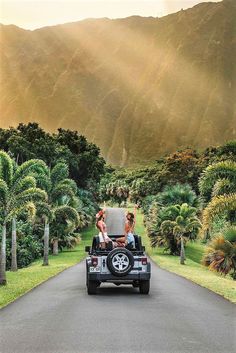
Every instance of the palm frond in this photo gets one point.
(6, 168)
(31, 194)
(62, 190)
(220, 255)
(68, 213)
(71, 183)
(20, 209)
(223, 186)
(4, 193)
(23, 185)
(217, 206)
(33, 166)
(43, 210)
(59, 173)
(230, 234)
(213, 173)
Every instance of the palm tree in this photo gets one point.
(177, 194)
(18, 192)
(65, 221)
(118, 191)
(218, 187)
(139, 189)
(44, 213)
(181, 225)
(218, 179)
(61, 195)
(218, 205)
(220, 255)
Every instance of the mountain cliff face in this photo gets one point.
(137, 87)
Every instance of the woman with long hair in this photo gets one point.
(102, 227)
(128, 239)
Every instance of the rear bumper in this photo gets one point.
(109, 277)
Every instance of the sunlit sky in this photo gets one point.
(32, 14)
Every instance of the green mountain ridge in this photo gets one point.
(137, 87)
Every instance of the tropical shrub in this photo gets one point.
(220, 255)
(218, 179)
(177, 194)
(18, 193)
(218, 191)
(220, 205)
(167, 226)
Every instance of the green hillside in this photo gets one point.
(137, 87)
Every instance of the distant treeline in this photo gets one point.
(183, 166)
(29, 141)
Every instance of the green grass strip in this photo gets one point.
(22, 281)
(192, 270)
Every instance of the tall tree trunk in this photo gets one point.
(55, 246)
(3, 256)
(13, 246)
(46, 244)
(182, 252)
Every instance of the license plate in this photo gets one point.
(94, 269)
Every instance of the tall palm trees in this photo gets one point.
(18, 192)
(59, 210)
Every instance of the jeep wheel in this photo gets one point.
(120, 262)
(144, 287)
(92, 287)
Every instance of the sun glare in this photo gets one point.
(31, 14)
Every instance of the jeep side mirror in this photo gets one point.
(87, 248)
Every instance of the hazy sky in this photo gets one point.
(32, 14)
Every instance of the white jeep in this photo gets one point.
(118, 265)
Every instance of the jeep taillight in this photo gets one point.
(94, 261)
(144, 261)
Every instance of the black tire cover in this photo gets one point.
(118, 253)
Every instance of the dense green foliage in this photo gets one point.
(181, 167)
(19, 194)
(168, 224)
(183, 195)
(217, 186)
(30, 141)
(41, 203)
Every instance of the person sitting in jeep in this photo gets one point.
(128, 239)
(101, 225)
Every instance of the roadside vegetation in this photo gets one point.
(25, 279)
(193, 269)
(188, 202)
(48, 194)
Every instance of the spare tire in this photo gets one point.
(120, 262)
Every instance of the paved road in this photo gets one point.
(59, 317)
